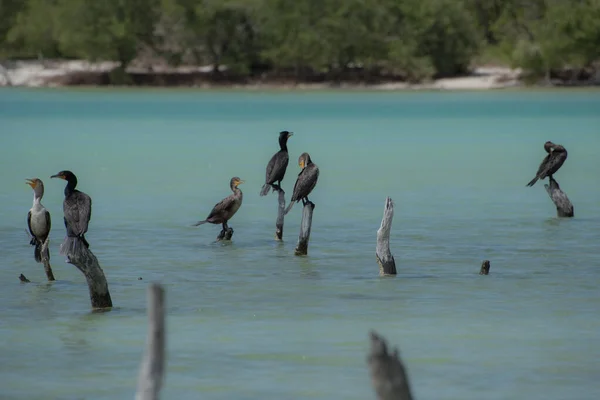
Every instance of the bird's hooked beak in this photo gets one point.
(239, 182)
(58, 176)
(31, 182)
(290, 134)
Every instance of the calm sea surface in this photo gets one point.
(248, 319)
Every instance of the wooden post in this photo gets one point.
(88, 264)
(152, 369)
(388, 374)
(46, 259)
(385, 259)
(23, 278)
(305, 225)
(564, 207)
(280, 214)
(485, 268)
(225, 234)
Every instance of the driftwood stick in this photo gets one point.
(46, 259)
(385, 259)
(485, 268)
(151, 375)
(564, 207)
(305, 225)
(280, 214)
(88, 264)
(388, 375)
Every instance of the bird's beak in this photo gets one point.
(301, 164)
(31, 183)
(240, 182)
(290, 134)
(57, 176)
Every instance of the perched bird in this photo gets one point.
(277, 165)
(38, 220)
(77, 207)
(557, 155)
(226, 208)
(306, 181)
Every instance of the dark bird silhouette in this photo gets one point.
(557, 155)
(306, 181)
(226, 208)
(38, 220)
(277, 165)
(77, 207)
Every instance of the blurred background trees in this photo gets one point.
(412, 39)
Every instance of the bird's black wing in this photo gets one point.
(277, 166)
(48, 220)
(221, 206)
(543, 165)
(29, 223)
(306, 182)
(554, 163)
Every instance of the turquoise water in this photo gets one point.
(248, 319)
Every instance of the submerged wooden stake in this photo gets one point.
(280, 214)
(46, 259)
(564, 207)
(152, 369)
(485, 268)
(388, 374)
(385, 259)
(305, 225)
(88, 264)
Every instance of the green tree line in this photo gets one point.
(412, 39)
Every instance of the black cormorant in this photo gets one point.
(226, 208)
(38, 220)
(77, 208)
(306, 182)
(557, 155)
(277, 165)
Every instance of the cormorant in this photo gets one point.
(277, 165)
(226, 208)
(306, 181)
(77, 208)
(38, 220)
(557, 155)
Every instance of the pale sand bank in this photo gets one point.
(49, 74)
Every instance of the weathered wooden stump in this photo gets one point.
(280, 214)
(485, 268)
(23, 279)
(305, 225)
(385, 259)
(46, 259)
(564, 207)
(81, 257)
(225, 234)
(152, 369)
(388, 374)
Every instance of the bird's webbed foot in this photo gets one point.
(33, 242)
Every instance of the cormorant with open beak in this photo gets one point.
(38, 220)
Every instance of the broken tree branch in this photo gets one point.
(46, 259)
(88, 264)
(564, 207)
(388, 374)
(305, 226)
(151, 375)
(385, 259)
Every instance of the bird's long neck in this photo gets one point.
(283, 144)
(37, 198)
(71, 184)
(235, 189)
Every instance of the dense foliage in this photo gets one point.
(413, 39)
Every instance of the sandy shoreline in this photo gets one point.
(51, 73)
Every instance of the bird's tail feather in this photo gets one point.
(265, 189)
(289, 207)
(37, 252)
(200, 223)
(73, 246)
(533, 181)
